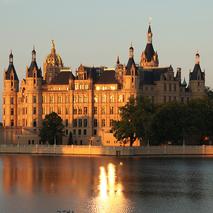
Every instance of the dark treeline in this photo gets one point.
(173, 123)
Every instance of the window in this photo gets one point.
(59, 110)
(76, 87)
(111, 110)
(120, 98)
(164, 99)
(59, 99)
(74, 131)
(85, 99)
(112, 99)
(51, 99)
(34, 99)
(79, 132)
(66, 110)
(170, 87)
(95, 132)
(11, 111)
(175, 87)
(74, 111)
(85, 110)
(3, 100)
(75, 99)
(66, 122)
(103, 98)
(182, 99)
(79, 122)
(11, 100)
(74, 123)
(103, 122)
(85, 132)
(80, 111)
(34, 110)
(103, 110)
(95, 110)
(34, 123)
(85, 122)
(164, 87)
(170, 98)
(95, 123)
(110, 122)
(95, 99)
(86, 86)
(66, 132)
(80, 99)
(51, 109)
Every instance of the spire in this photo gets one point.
(33, 54)
(131, 51)
(197, 58)
(53, 47)
(118, 60)
(149, 34)
(184, 83)
(11, 57)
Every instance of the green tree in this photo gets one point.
(52, 129)
(168, 124)
(134, 121)
(199, 120)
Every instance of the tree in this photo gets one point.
(168, 124)
(52, 129)
(134, 121)
(70, 140)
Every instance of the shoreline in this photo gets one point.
(75, 150)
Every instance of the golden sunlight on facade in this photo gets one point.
(89, 100)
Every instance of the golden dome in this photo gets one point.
(54, 59)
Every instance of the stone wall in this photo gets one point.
(113, 151)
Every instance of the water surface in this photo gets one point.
(105, 184)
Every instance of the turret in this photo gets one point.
(10, 90)
(52, 65)
(130, 78)
(33, 93)
(149, 58)
(197, 80)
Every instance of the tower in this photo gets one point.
(33, 93)
(52, 64)
(10, 90)
(149, 58)
(130, 78)
(197, 80)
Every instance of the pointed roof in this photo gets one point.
(197, 73)
(11, 69)
(184, 83)
(149, 29)
(149, 51)
(130, 64)
(118, 60)
(34, 66)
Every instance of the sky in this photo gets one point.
(95, 32)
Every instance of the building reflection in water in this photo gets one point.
(110, 190)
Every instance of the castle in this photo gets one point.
(89, 101)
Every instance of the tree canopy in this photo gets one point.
(135, 120)
(52, 129)
(174, 122)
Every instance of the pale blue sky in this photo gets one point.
(94, 32)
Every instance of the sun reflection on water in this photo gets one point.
(110, 197)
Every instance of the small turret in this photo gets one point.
(149, 58)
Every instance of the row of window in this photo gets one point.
(170, 87)
(84, 123)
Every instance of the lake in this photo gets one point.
(31, 184)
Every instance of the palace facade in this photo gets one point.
(89, 100)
